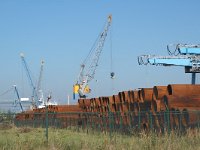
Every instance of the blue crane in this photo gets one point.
(33, 87)
(14, 87)
(18, 98)
(184, 55)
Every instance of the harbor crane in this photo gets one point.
(18, 98)
(16, 101)
(40, 93)
(89, 65)
(185, 55)
(35, 100)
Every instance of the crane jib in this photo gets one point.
(87, 71)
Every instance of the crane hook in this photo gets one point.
(112, 75)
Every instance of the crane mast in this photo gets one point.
(34, 92)
(184, 55)
(39, 90)
(89, 66)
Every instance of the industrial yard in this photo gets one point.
(65, 85)
(160, 109)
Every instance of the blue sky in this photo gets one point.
(62, 32)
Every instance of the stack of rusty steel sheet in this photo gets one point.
(184, 100)
(176, 104)
(54, 111)
(179, 103)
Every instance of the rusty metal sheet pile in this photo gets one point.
(146, 94)
(183, 89)
(145, 106)
(159, 92)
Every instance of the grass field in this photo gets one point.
(12, 138)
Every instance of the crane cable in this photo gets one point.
(175, 52)
(93, 46)
(22, 79)
(112, 74)
(91, 52)
(7, 91)
(111, 57)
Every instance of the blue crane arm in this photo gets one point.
(185, 61)
(18, 98)
(170, 61)
(188, 56)
(189, 50)
(27, 71)
(34, 93)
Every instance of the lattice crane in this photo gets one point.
(89, 65)
(16, 101)
(32, 85)
(184, 55)
(18, 98)
(39, 89)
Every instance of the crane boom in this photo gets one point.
(39, 90)
(188, 56)
(40, 75)
(34, 92)
(14, 87)
(18, 98)
(169, 60)
(89, 66)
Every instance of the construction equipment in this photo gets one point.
(35, 100)
(18, 98)
(39, 90)
(89, 65)
(184, 55)
(16, 101)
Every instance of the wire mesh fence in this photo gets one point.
(126, 123)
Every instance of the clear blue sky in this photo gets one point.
(62, 32)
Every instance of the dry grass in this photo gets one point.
(5, 126)
(34, 139)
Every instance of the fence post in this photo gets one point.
(139, 119)
(34, 119)
(121, 126)
(168, 121)
(198, 114)
(130, 119)
(109, 121)
(151, 121)
(180, 120)
(47, 125)
(93, 126)
(99, 122)
(164, 113)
